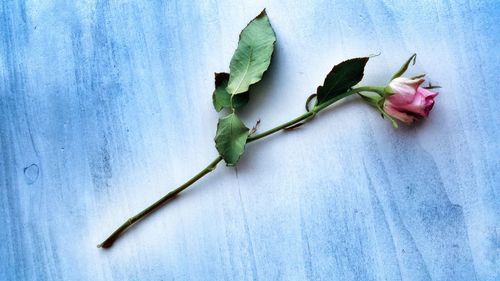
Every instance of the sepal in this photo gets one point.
(404, 67)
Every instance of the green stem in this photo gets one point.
(118, 232)
(378, 90)
(281, 127)
(313, 112)
(304, 117)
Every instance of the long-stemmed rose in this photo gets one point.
(403, 99)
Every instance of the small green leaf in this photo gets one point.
(404, 67)
(342, 77)
(253, 55)
(418, 76)
(221, 98)
(373, 100)
(231, 138)
(385, 115)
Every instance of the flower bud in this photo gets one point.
(407, 101)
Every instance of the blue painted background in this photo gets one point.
(106, 105)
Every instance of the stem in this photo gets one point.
(318, 108)
(313, 112)
(127, 224)
(302, 117)
(117, 233)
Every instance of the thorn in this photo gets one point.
(295, 126)
(254, 129)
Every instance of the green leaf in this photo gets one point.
(253, 55)
(404, 67)
(221, 98)
(342, 77)
(231, 138)
(373, 100)
(418, 76)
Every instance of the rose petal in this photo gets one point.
(426, 93)
(404, 89)
(396, 113)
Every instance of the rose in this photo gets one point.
(407, 101)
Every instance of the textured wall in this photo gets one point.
(106, 105)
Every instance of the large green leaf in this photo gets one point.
(253, 55)
(342, 77)
(221, 98)
(231, 138)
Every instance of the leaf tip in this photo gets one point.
(263, 13)
(414, 57)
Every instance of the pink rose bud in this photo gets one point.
(408, 101)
